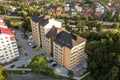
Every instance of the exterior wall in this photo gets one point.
(8, 48)
(58, 53)
(48, 46)
(43, 38)
(36, 33)
(77, 55)
(69, 58)
(66, 57)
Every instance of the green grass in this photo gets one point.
(17, 72)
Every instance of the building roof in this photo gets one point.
(68, 39)
(53, 32)
(6, 31)
(43, 21)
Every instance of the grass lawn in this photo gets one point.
(17, 72)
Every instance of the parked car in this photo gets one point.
(43, 54)
(34, 46)
(26, 54)
(12, 66)
(53, 64)
(16, 59)
(30, 43)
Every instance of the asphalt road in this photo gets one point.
(29, 77)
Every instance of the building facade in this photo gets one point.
(66, 48)
(8, 45)
(40, 27)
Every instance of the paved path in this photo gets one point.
(19, 69)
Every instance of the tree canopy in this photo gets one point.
(2, 76)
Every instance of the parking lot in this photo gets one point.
(26, 53)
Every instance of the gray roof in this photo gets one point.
(68, 39)
(41, 20)
(53, 32)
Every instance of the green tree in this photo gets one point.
(2, 77)
(70, 73)
(38, 64)
(26, 25)
(115, 25)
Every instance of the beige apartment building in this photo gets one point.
(66, 48)
(40, 27)
(69, 49)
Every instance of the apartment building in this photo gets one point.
(40, 27)
(69, 49)
(8, 45)
(66, 48)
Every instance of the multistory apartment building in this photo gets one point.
(66, 48)
(40, 27)
(8, 45)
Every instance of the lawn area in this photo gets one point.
(88, 78)
(112, 30)
(17, 72)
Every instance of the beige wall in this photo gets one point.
(66, 57)
(36, 32)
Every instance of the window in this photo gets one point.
(6, 54)
(1, 56)
(1, 39)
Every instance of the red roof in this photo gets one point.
(6, 31)
(89, 13)
(98, 13)
(117, 4)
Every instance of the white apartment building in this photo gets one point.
(8, 45)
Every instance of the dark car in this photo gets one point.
(15, 59)
(12, 66)
(54, 65)
(43, 54)
(23, 35)
(26, 54)
(19, 46)
(34, 46)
